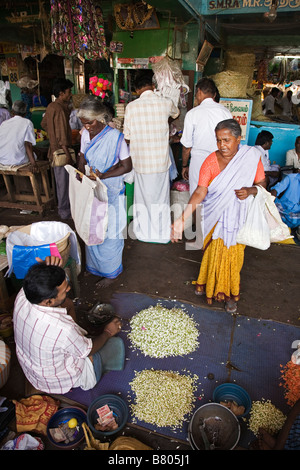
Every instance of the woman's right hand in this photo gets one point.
(244, 192)
(98, 174)
(176, 230)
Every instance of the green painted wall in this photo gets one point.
(15, 92)
(155, 42)
(159, 42)
(193, 38)
(143, 43)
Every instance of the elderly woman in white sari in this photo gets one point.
(227, 177)
(104, 153)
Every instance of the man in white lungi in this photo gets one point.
(146, 129)
(198, 138)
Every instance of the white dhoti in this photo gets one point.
(194, 170)
(151, 209)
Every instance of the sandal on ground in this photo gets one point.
(231, 306)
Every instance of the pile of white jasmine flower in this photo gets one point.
(161, 332)
(265, 415)
(163, 398)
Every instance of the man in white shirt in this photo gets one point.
(292, 157)
(268, 104)
(17, 138)
(146, 130)
(198, 138)
(53, 350)
(263, 143)
(287, 105)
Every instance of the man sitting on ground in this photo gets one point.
(17, 138)
(53, 350)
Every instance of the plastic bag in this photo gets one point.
(279, 231)
(24, 442)
(22, 248)
(255, 232)
(89, 207)
(168, 73)
(169, 79)
(181, 186)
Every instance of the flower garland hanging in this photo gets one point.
(77, 27)
(100, 86)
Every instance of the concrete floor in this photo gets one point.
(269, 288)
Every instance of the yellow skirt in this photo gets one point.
(219, 276)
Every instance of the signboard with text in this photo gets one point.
(212, 7)
(137, 62)
(241, 110)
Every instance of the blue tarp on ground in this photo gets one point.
(238, 349)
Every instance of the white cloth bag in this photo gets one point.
(89, 207)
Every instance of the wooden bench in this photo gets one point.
(42, 193)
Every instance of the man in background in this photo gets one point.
(146, 129)
(287, 105)
(268, 104)
(17, 138)
(263, 143)
(198, 137)
(56, 124)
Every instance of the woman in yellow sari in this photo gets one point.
(227, 177)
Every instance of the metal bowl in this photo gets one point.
(101, 313)
(214, 427)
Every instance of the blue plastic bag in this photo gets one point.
(23, 257)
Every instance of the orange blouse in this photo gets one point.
(210, 169)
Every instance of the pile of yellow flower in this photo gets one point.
(40, 135)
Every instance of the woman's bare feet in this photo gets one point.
(104, 283)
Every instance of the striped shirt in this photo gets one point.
(146, 127)
(51, 348)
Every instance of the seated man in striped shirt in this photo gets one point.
(53, 350)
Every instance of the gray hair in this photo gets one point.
(92, 108)
(19, 108)
(232, 125)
